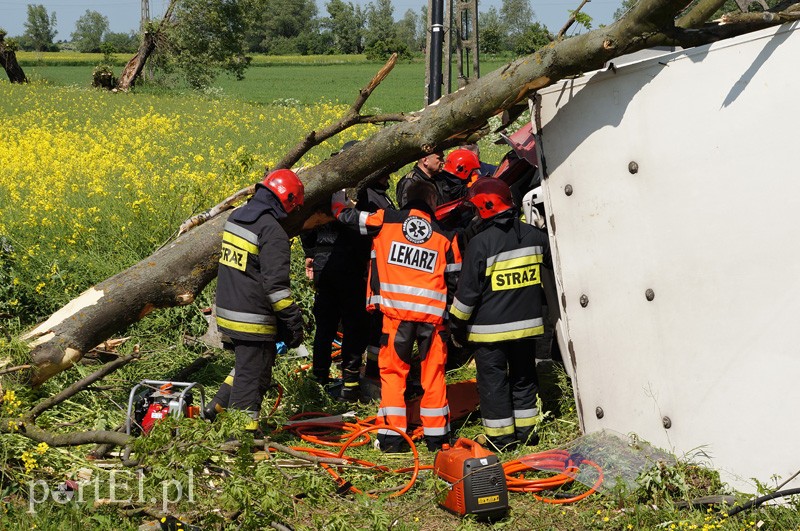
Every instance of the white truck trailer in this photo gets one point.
(672, 193)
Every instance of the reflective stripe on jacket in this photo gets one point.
(499, 294)
(415, 263)
(253, 290)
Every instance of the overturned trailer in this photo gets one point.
(672, 196)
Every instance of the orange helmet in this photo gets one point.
(490, 196)
(287, 187)
(462, 163)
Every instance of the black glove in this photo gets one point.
(292, 329)
(458, 333)
(296, 338)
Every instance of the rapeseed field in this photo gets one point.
(92, 182)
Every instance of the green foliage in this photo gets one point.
(534, 37)
(40, 29)
(380, 26)
(208, 37)
(582, 19)
(15, 296)
(407, 32)
(89, 31)
(345, 24)
(381, 50)
(121, 42)
(280, 27)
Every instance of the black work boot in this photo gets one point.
(350, 393)
(392, 444)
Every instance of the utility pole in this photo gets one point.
(466, 36)
(145, 14)
(451, 23)
(435, 40)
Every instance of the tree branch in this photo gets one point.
(699, 14)
(769, 18)
(220, 207)
(78, 386)
(383, 118)
(32, 431)
(571, 20)
(350, 118)
(313, 138)
(9, 370)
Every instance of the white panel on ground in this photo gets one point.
(679, 175)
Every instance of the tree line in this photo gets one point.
(295, 27)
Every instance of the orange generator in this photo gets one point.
(476, 479)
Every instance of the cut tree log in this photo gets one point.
(175, 274)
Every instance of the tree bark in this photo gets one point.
(8, 58)
(130, 74)
(133, 69)
(174, 275)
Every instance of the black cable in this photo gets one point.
(761, 499)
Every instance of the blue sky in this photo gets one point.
(123, 15)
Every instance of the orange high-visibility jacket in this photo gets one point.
(415, 263)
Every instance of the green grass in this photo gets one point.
(306, 80)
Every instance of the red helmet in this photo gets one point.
(490, 196)
(462, 163)
(287, 186)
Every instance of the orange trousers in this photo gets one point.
(394, 362)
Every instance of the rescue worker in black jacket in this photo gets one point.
(498, 309)
(254, 305)
(426, 169)
(372, 198)
(337, 259)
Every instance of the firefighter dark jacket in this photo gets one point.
(415, 175)
(338, 249)
(415, 263)
(499, 295)
(253, 291)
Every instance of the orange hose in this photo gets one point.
(553, 459)
(414, 470)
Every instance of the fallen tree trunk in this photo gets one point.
(174, 275)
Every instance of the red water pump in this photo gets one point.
(159, 400)
(476, 480)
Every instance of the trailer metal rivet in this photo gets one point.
(568, 189)
(666, 422)
(650, 294)
(599, 412)
(584, 301)
(633, 167)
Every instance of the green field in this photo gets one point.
(303, 79)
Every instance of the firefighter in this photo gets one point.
(254, 306)
(498, 309)
(460, 168)
(413, 271)
(486, 169)
(426, 169)
(336, 260)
